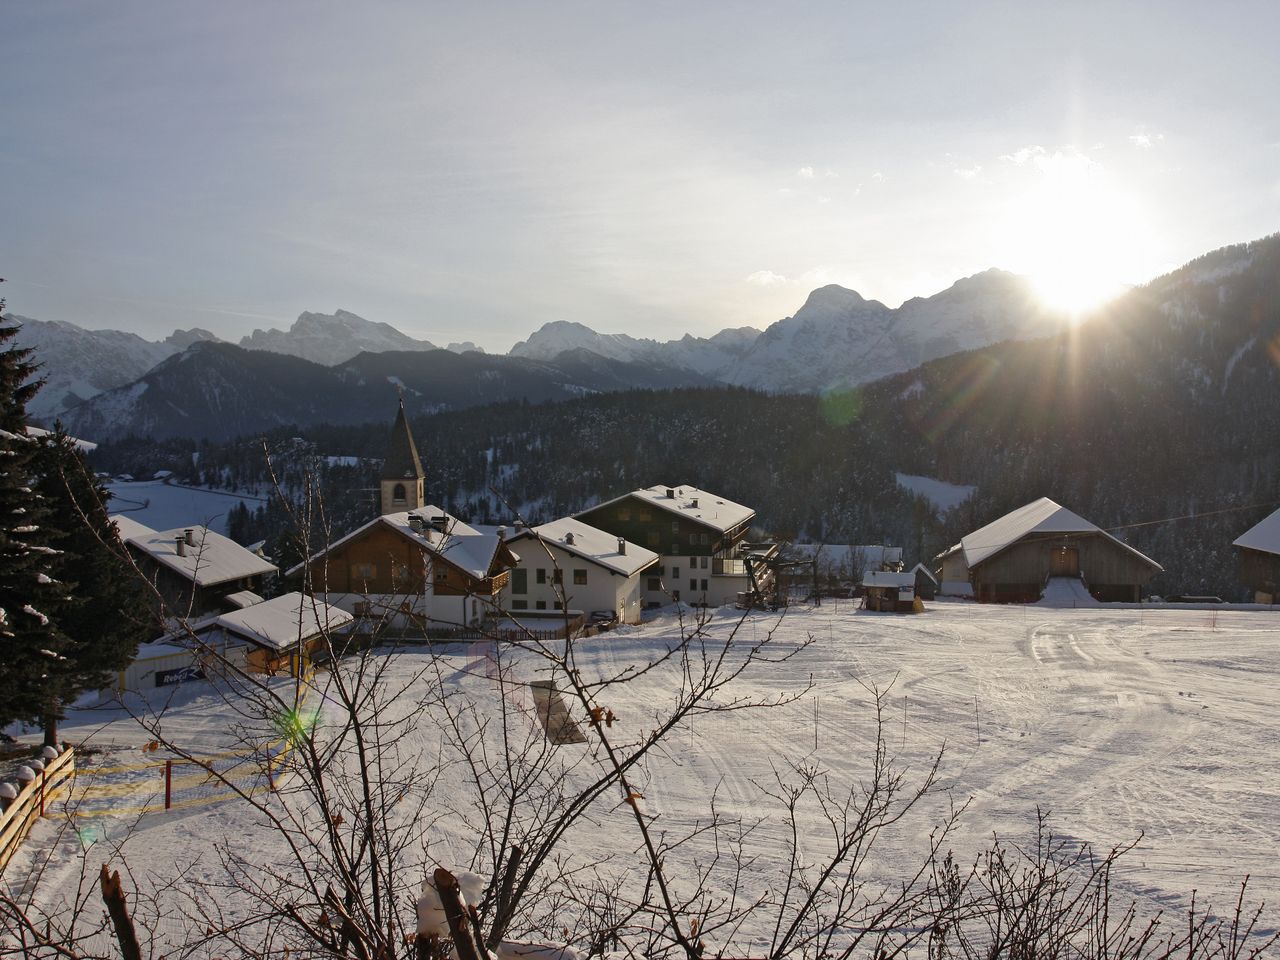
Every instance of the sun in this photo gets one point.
(1076, 235)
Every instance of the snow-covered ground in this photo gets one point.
(1159, 724)
(941, 494)
(163, 506)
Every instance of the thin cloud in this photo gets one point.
(1145, 141)
(766, 278)
(968, 173)
(805, 173)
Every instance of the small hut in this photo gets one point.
(890, 592)
(1258, 559)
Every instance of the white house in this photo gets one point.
(568, 563)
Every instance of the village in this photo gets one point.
(416, 571)
(1029, 654)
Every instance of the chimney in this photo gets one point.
(622, 545)
(568, 538)
(181, 546)
(694, 503)
(190, 536)
(415, 523)
(519, 526)
(671, 494)
(502, 533)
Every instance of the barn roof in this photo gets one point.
(1042, 517)
(285, 621)
(1264, 536)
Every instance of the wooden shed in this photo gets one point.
(1011, 559)
(890, 592)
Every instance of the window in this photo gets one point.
(557, 576)
(655, 583)
(693, 585)
(675, 548)
(693, 539)
(559, 605)
(542, 575)
(624, 513)
(580, 578)
(397, 493)
(675, 526)
(703, 564)
(643, 515)
(704, 586)
(540, 604)
(693, 563)
(400, 573)
(675, 594)
(703, 539)
(364, 571)
(519, 604)
(653, 538)
(519, 581)
(675, 573)
(441, 574)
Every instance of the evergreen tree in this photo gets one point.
(106, 613)
(30, 594)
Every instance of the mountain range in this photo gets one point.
(836, 339)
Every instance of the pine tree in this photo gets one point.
(106, 613)
(30, 594)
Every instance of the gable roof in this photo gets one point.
(921, 568)
(283, 622)
(1263, 536)
(402, 461)
(1042, 517)
(691, 503)
(591, 544)
(470, 550)
(211, 560)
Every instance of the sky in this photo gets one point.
(473, 171)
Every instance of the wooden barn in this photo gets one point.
(1011, 559)
(1258, 559)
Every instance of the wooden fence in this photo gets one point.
(33, 799)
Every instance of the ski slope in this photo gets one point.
(1131, 724)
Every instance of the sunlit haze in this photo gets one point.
(471, 173)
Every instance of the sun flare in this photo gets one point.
(1076, 235)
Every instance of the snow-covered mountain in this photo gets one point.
(78, 364)
(837, 338)
(334, 338)
(705, 355)
(840, 339)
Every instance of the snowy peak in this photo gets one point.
(331, 339)
(559, 336)
(181, 339)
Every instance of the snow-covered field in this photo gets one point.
(164, 506)
(1120, 723)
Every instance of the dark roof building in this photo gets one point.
(1258, 559)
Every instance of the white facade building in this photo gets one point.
(571, 564)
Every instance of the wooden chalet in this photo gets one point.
(1010, 560)
(1258, 559)
(415, 566)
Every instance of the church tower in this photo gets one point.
(403, 481)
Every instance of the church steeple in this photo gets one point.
(403, 486)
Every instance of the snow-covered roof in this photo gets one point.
(463, 546)
(706, 508)
(285, 621)
(1042, 517)
(242, 598)
(211, 559)
(921, 568)
(84, 446)
(592, 544)
(1264, 536)
(883, 578)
